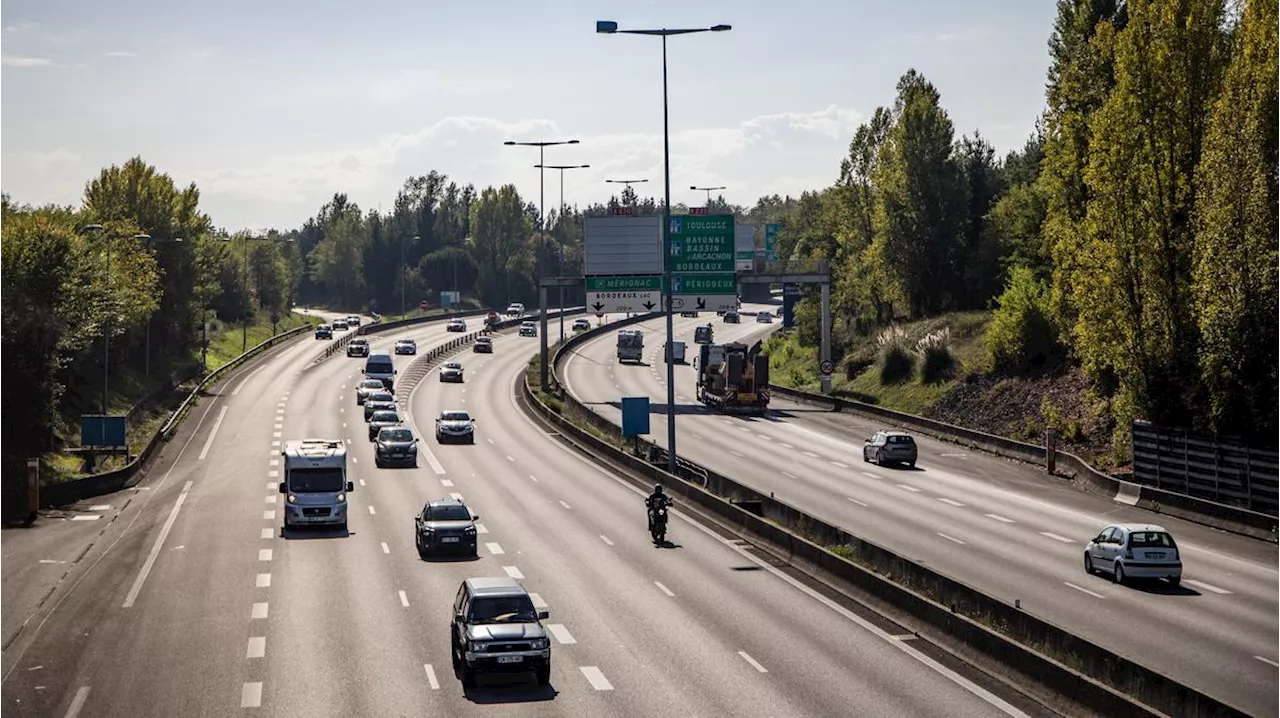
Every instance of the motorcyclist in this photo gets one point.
(658, 499)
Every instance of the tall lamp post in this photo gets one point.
(608, 27)
(404, 273)
(542, 186)
(244, 327)
(562, 168)
(708, 190)
(146, 360)
(628, 183)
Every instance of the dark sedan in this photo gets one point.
(382, 419)
(396, 447)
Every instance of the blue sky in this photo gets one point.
(271, 107)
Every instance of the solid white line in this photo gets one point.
(431, 677)
(561, 633)
(1056, 537)
(1083, 590)
(251, 695)
(77, 703)
(269, 515)
(246, 380)
(155, 548)
(404, 600)
(951, 502)
(257, 647)
(513, 572)
(664, 589)
(1268, 660)
(385, 548)
(259, 611)
(949, 538)
(264, 554)
(856, 501)
(494, 549)
(262, 581)
(754, 663)
(212, 433)
(908, 487)
(1207, 586)
(564, 505)
(596, 678)
(1000, 518)
(606, 540)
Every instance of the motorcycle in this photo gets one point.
(658, 523)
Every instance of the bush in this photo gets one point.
(937, 363)
(896, 365)
(1022, 336)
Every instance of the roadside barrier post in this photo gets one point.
(33, 487)
(1050, 449)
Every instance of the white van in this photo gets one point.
(379, 366)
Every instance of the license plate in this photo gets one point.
(449, 539)
(510, 659)
(1155, 555)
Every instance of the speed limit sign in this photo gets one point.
(827, 366)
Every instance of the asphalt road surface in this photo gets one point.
(1001, 526)
(185, 598)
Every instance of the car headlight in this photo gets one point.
(342, 497)
(293, 498)
(539, 644)
(428, 530)
(475, 646)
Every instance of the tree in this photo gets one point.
(1235, 258)
(500, 229)
(337, 261)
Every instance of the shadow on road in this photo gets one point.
(1160, 588)
(309, 534)
(513, 688)
(448, 558)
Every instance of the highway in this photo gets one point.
(995, 524)
(189, 601)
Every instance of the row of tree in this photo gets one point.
(1135, 233)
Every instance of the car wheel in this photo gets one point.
(453, 657)
(1088, 563)
(864, 457)
(912, 463)
(544, 675)
(1119, 573)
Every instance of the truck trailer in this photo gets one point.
(733, 377)
(630, 345)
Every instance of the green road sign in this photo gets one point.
(770, 235)
(625, 284)
(702, 244)
(722, 283)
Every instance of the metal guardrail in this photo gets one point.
(1203, 467)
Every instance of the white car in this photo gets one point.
(353, 320)
(406, 346)
(1129, 551)
(339, 325)
(456, 325)
(581, 325)
(451, 371)
(455, 425)
(528, 329)
(515, 309)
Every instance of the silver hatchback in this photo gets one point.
(1134, 551)
(890, 447)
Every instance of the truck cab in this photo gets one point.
(630, 345)
(315, 483)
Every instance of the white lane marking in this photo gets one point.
(372, 510)
(513, 572)
(100, 507)
(1000, 518)
(86, 517)
(274, 473)
(908, 487)
(664, 589)
(446, 483)
(951, 502)
(951, 538)
(790, 475)
(735, 453)
(259, 611)
(1056, 537)
(456, 496)
(264, 554)
(538, 603)
(785, 446)
(155, 548)
(561, 633)
(494, 548)
(764, 437)
(257, 647)
(246, 380)
(606, 540)
(1082, 589)
(596, 678)
(565, 505)
(362, 483)
(267, 534)
(404, 599)
(269, 515)
(431, 677)
(385, 547)
(1267, 660)
(262, 581)
(810, 454)
(535, 479)
(276, 435)
(696, 435)
(482, 529)
(436, 466)
(278, 426)
(867, 474)
(212, 433)
(354, 459)
(273, 462)
(49, 560)
(251, 695)
(276, 445)
(271, 486)
(860, 503)
(837, 463)
(1207, 587)
(269, 499)
(510, 458)
(77, 703)
(754, 663)
(961, 455)
(490, 441)
(344, 425)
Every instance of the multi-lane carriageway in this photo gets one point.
(1001, 526)
(183, 599)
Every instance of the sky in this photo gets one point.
(272, 107)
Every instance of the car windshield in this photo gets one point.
(453, 365)
(385, 416)
(305, 481)
(503, 609)
(382, 396)
(452, 512)
(455, 416)
(482, 340)
(1151, 539)
(378, 367)
(406, 341)
(403, 436)
(372, 384)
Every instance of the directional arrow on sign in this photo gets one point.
(597, 306)
(648, 305)
(702, 303)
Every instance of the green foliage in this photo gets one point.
(1022, 336)
(937, 363)
(896, 363)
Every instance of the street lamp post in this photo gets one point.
(628, 183)
(560, 231)
(708, 190)
(542, 186)
(404, 273)
(244, 327)
(608, 27)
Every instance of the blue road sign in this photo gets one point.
(635, 415)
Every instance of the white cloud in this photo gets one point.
(41, 161)
(22, 27)
(21, 61)
(122, 53)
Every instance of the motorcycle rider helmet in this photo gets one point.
(657, 489)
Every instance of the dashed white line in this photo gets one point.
(100, 507)
(510, 458)
(362, 483)
(259, 611)
(951, 502)
(1267, 660)
(263, 581)
(212, 433)
(1000, 518)
(269, 499)
(275, 434)
(251, 695)
(869, 475)
(1056, 537)
(276, 445)
(277, 426)
(273, 462)
(513, 572)
(155, 548)
(446, 483)
(1081, 589)
(354, 459)
(561, 633)
(271, 486)
(951, 538)
(385, 547)
(533, 478)
(538, 603)
(490, 440)
(860, 503)
(790, 475)
(494, 548)
(274, 473)
(737, 454)
(606, 540)
(567, 506)
(1207, 586)
(754, 663)
(257, 647)
(456, 496)
(264, 554)
(482, 529)
(786, 446)
(86, 517)
(664, 589)
(431, 677)
(372, 510)
(909, 487)
(267, 534)
(810, 454)
(596, 678)
(404, 599)
(840, 465)
(269, 515)
(77, 703)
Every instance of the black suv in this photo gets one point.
(358, 348)
(732, 318)
(496, 629)
(396, 447)
(445, 525)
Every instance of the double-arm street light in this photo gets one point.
(542, 187)
(560, 222)
(628, 183)
(609, 27)
(708, 190)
